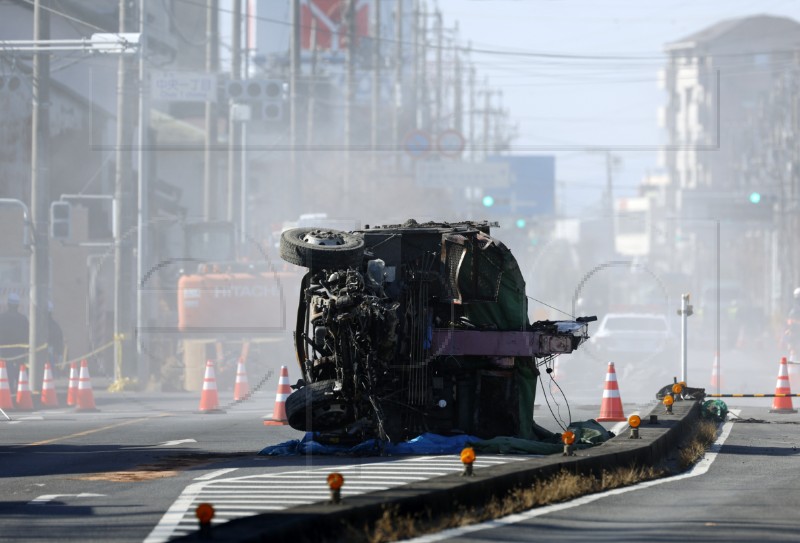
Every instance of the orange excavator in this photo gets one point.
(228, 303)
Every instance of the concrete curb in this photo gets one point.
(450, 493)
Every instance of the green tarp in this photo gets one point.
(587, 434)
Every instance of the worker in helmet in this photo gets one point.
(13, 338)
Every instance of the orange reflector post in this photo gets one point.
(335, 482)
(468, 455)
(204, 513)
(568, 438)
(634, 421)
(467, 458)
(668, 401)
(677, 388)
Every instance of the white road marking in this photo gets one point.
(176, 442)
(214, 474)
(46, 498)
(249, 495)
(699, 469)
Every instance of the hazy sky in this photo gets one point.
(572, 101)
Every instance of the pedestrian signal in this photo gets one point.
(60, 220)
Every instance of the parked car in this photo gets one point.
(416, 328)
(633, 334)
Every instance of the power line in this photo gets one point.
(515, 53)
(66, 16)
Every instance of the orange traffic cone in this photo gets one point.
(716, 381)
(49, 396)
(241, 389)
(72, 386)
(85, 395)
(278, 417)
(5, 390)
(611, 406)
(783, 404)
(209, 399)
(24, 398)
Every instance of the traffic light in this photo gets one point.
(488, 201)
(755, 197)
(521, 223)
(265, 95)
(60, 219)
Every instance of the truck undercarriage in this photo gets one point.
(416, 328)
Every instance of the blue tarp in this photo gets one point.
(423, 444)
(587, 434)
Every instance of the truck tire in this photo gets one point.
(328, 410)
(321, 248)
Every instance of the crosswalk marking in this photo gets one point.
(243, 496)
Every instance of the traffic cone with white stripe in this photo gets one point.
(85, 395)
(209, 398)
(783, 404)
(49, 396)
(716, 381)
(241, 389)
(611, 406)
(5, 389)
(72, 386)
(24, 398)
(278, 417)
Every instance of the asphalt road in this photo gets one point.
(745, 490)
(114, 475)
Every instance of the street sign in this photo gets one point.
(417, 143)
(184, 87)
(450, 174)
(450, 143)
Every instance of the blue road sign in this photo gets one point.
(417, 143)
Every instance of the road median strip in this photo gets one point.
(453, 494)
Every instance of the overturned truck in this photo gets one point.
(416, 328)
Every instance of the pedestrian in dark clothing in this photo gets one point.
(55, 341)
(13, 339)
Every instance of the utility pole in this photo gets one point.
(376, 80)
(40, 193)
(397, 96)
(294, 103)
(437, 119)
(415, 69)
(234, 127)
(312, 91)
(472, 112)
(458, 99)
(498, 122)
(143, 167)
(350, 88)
(123, 258)
(212, 66)
(609, 203)
(487, 106)
(424, 109)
